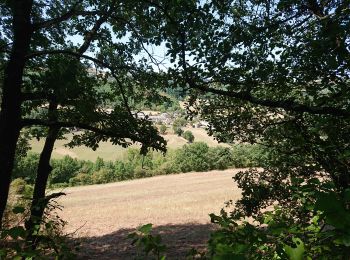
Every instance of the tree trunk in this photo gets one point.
(44, 169)
(10, 114)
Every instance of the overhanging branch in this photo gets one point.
(72, 12)
(32, 121)
(123, 132)
(288, 105)
(78, 55)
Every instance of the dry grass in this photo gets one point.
(111, 152)
(177, 205)
(200, 135)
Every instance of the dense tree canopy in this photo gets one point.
(37, 37)
(276, 73)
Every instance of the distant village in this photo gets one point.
(167, 118)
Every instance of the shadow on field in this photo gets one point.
(179, 239)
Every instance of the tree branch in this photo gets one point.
(77, 55)
(32, 121)
(54, 21)
(288, 105)
(89, 37)
(122, 132)
(72, 12)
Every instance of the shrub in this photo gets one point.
(18, 186)
(247, 155)
(86, 167)
(103, 176)
(26, 167)
(148, 243)
(99, 164)
(141, 172)
(178, 131)
(136, 159)
(63, 170)
(193, 157)
(81, 179)
(167, 168)
(316, 227)
(162, 129)
(219, 158)
(123, 170)
(19, 193)
(17, 242)
(188, 136)
(180, 122)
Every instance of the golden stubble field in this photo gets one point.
(177, 205)
(110, 152)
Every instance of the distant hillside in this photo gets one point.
(110, 152)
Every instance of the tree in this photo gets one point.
(188, 136)
(193, 157)
(75, 93)
(33, 32)
(275, 73)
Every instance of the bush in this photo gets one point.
(18, 186)
(103, 176)
(316, 227)
(141, 172)
(63, 170)
(247, 155)
(162, 129)
(81, 179)
(193, 157)
(26, 167)
(178, 124)
(50, 241)
(99, 164)
(148, 243)
(219, 158)
(167, 168)
(123, 170)
(188, 136)
(178, 131)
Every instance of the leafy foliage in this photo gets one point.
(188, 136)
(275, 73)
(193, 157)
(315, 228)
(148, 243)
(162, 129)
(48, 231)
(178, 124)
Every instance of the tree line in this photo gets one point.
(193, 157)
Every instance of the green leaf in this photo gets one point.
(347, 195)
(17, 232)
(295, 253)
(145, 229)
(333, 209)
(18, 209)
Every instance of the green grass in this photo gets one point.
(110, 152)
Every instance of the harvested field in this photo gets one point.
(110, 152)
(177, 205)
